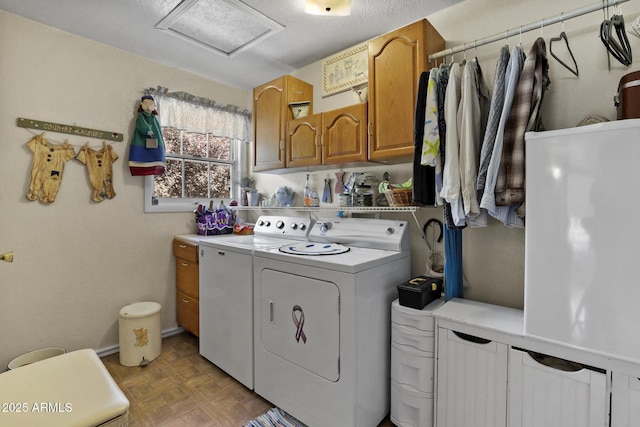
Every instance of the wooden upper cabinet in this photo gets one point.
(271, 112)
(304, 141)
(345, 134)
(396, 61)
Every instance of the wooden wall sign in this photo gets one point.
(70, 129)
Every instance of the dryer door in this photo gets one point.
(301, 321)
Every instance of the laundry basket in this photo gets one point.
(140, 335)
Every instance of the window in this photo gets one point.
(205, 145)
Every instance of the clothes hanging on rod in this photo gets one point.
(488, 201)
(526, 28)
(523, 117)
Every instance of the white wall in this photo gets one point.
(78, 262)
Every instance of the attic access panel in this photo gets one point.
(226, 27)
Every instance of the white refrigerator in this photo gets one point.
(582, 258)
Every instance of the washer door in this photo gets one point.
(301, 321)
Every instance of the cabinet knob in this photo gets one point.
(183, 246)
(185, 264)
(185, 300)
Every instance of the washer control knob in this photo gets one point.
(302, 226)
(325, 226)
(261, 223)
(280, 225)
(267, 223)
(294, 225)
(390, 230)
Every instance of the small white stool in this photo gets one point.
(140, 335)
(73, 389)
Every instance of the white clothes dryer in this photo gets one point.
(322, 320)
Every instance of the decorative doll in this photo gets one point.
(146, 155)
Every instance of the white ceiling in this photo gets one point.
(277, 36)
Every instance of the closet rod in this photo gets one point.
(525, 28)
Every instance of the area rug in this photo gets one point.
(275, 418)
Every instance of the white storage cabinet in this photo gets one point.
(543, 393)
(412, 364)
(625, 400)
(472, 381)
(487, 377)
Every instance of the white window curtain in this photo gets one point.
(196, 114)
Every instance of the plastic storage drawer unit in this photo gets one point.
(412, 364)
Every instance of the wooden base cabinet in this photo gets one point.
(271, 113)
(187, 285)
(396, 61)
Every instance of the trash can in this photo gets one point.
(139, 331)
(35, 356)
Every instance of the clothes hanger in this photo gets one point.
(635, 27)
(563, 36)
(621, 51)
(618, 24)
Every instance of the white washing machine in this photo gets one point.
(322, 320)
(226, 292)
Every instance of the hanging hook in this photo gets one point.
(520, 35)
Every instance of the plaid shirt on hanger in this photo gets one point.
(524, 117)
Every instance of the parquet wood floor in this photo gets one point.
(180, 388)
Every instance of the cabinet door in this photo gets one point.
(345, 134)
(625, 400)
(396, 61)
(271, 113)
(304, 141)
(546, 391)
(269, 122)
(187, 313)
(471, 381)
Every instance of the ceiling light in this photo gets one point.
(328, 7)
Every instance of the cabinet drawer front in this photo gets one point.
(187, 277)
(415, 338)
(185, 250)
(188, 313)
(412, 368)
(419, 319)
(410, 408)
